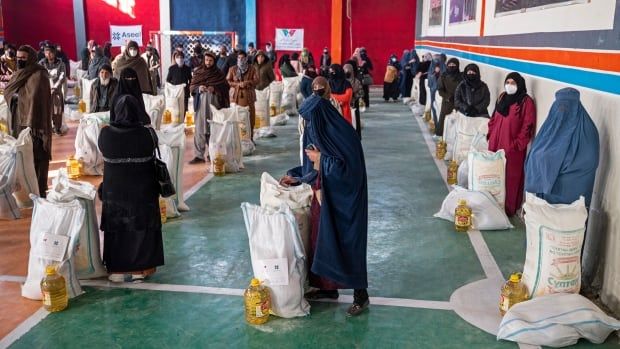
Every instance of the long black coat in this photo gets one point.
(472, 100)
(130, 216)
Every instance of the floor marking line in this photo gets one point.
(487, 261)
(197, 186)
(23, 328)
(387, 301)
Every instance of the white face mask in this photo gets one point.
(133, 52)
(105, 82)
(510, 89)
(179, 61)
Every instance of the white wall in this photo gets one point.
(604, 108)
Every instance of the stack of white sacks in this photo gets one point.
(482, 173)
(69, 241)
(17, 176)
(279, 234)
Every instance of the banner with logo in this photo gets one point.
(289, 39)
(121, 34)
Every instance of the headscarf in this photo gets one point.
(20, 77)
(96, 62)
(242, 67)
(505, 101)
(404, 59)
(127, 110)
(455, 61)
(562, 162)
(473, 81)
(433, 77)
(261, 53)
(321, 83)
(128, 84)
(135, 63)
(337, 80)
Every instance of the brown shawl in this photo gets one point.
(211, 77)
(34, 101)
(136, 63)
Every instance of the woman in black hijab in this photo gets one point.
(128, 84)
(472, 96)
(341, 90)
(130, 218)
(446, 87)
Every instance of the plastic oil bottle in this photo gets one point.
(441, 149)
(513, 292)
(462, 217)
(453, 169)
(167, 117)
(257, 303)
(82, 106)
(219, 165)
(272, 109)
(54, 290)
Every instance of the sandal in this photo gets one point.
(356, 309)
(321, 294)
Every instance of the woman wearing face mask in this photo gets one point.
(446, 86)
(390, 81)
(131, 59)
(511, 128)
(243, 79)
(472, 96)
(305, 86)
(180, 73)
(341, 90)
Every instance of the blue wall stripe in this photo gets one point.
(595, 80)
(250, 23)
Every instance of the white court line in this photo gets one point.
(395, 302)
(197, 186)
(487, 261)
(23, 328)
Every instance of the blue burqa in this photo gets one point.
(343, 226)
(562, 163)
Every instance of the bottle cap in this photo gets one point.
(255, 282)
(50, 270)
(516, 277)
(462, 202)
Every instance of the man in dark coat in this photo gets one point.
(103, 89)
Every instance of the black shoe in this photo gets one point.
(196, 161)
(322, 294)
(355, 309)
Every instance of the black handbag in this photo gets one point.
(166, 188)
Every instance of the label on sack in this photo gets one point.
(274, 270)
(52, 246)
(563, 250)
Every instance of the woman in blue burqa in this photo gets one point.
(333, 163)
(564, 157)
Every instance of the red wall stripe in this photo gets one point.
(606, 61)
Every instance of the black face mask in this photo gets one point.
(348, 75)
(332, 74)
(472, 77)
(452, 70)
(21, 64)
(319, 92)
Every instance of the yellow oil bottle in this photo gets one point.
(74, 167)
(462, 217)
(272, 110)
(257, 303)
(362, 105)
(427, 116)
(513, 292)
(441, 149)
(453, 169)
(82, 106)
(162, 210)
(167, 117)
(189, 119)
(77, 91)
(431, 126)
(219, 165)
(54, 290)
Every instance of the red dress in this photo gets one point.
(345, 103)
(513, 133)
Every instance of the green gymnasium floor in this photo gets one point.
(415, 263)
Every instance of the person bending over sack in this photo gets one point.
(334, 165)
(511, 128)
(472, 96)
